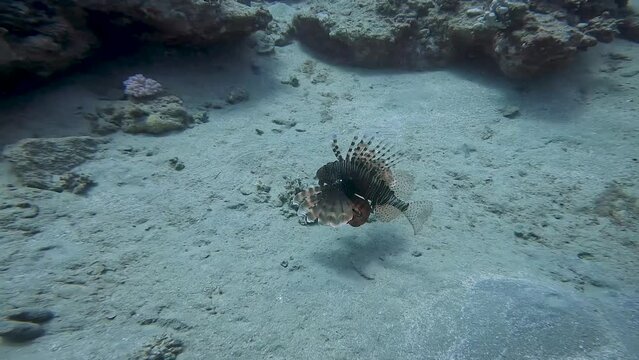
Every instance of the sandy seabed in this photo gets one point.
(532, 251)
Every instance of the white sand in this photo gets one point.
(149, 242)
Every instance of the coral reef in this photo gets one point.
(139, 86)
(524, 38)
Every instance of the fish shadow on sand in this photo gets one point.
(363, 256)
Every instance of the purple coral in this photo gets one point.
(139, 86)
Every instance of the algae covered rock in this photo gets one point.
(155, 116)
(48, 163)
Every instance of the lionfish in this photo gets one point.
(358, 184)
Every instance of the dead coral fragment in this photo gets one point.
(162, 348)
(617, 204)
(75, 183)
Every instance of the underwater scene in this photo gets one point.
(346, 179)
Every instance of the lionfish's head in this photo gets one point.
(329, 173)
(361, 211)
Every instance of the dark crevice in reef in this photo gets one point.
(116, 33)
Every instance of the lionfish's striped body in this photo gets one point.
(358, 183)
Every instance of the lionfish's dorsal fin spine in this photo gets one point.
(351, 148)
(381, 153)
(336, 150)
(389, 155)
(357, 153)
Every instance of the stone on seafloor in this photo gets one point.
(510, 111)
(34, 315)
(17, 331)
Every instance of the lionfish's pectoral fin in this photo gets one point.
(326, 205)
(306, 201)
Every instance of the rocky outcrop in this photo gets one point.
(524, 38)
(629, 27)
(180, 22)
(39, 38)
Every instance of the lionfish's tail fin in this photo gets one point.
(417, 213)
(329, 206)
